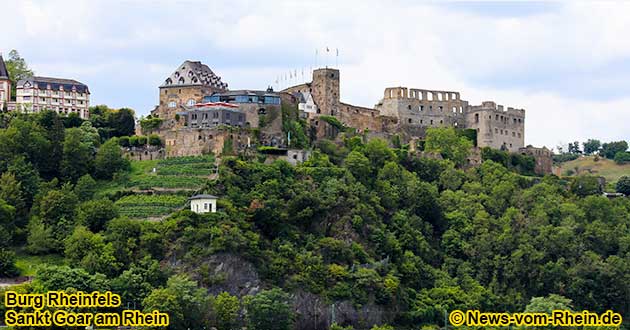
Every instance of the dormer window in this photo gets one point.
(176, 74)
(190, 102)
(190, 74)
(169, 81)
(181, 80)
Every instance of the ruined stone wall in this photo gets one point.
(497, 128)
(147, 153)
(423, 108)
(543, 158)
(199, 141)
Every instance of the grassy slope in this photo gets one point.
(27, 264)
(603, 167)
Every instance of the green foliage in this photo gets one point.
(468, 133)
(548, 304)
(523, 164)
(334, 122)
(18, 69)
(111, 122)
(269, 310)
(610, 149)
(7, 264)
(90, 251)
(622, 157)
(564, 157)
(623, 185)
(446, 142)
(226, 309)
(585, 185)
(591, 146)
(85, 188)
(186, 304)
(109, 160)
(148, 124)
(77, 155)
(154, 140)
(94, 214)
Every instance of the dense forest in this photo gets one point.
(398, 238)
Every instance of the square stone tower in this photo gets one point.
(325, 90)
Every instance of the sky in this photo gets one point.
(566, 63)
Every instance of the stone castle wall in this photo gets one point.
(425, 108)
(496, 127)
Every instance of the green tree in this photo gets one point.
(40, 238)
(18, 69)
(548, 304)
(77, 156)
(226, 308)
(7, 263)
(358, 165)
(610, 149)
(269, 310)
(591, 146)
(90, 251)
(623, 185)
(85, 188)
(109, 160)
(585, 185)
(95, 214)
(27, 176)
(446, 142)
(7, 215)
(186, 304)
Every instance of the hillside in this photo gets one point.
(156, 188)
(588, 165)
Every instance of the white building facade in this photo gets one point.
(203, 204)
(64, 96)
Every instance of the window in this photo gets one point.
(190, 102)
(409, 107)
(172, 104)
(227, 115)
(205, 206)
(181, 80)
(430, 108)
(422, 108)
(476, 118)
(441, 108)
(242, 99)
(409, 120)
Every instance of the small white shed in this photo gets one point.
(203, 203)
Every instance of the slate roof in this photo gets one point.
(203, 196)
(55, 83)
(194, 73)
(3, 69)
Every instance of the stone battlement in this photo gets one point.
(420, 94)
(492, 106)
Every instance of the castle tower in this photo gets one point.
(325, 90)
(5, 84)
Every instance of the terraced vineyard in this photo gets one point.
(141, 206)
(157, 188)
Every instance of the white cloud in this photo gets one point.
(424, 45)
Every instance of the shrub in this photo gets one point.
(622, 157)
(623, 185)
(154, 140)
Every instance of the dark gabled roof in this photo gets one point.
(3, 69)
(203, 196)
(55, 83)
